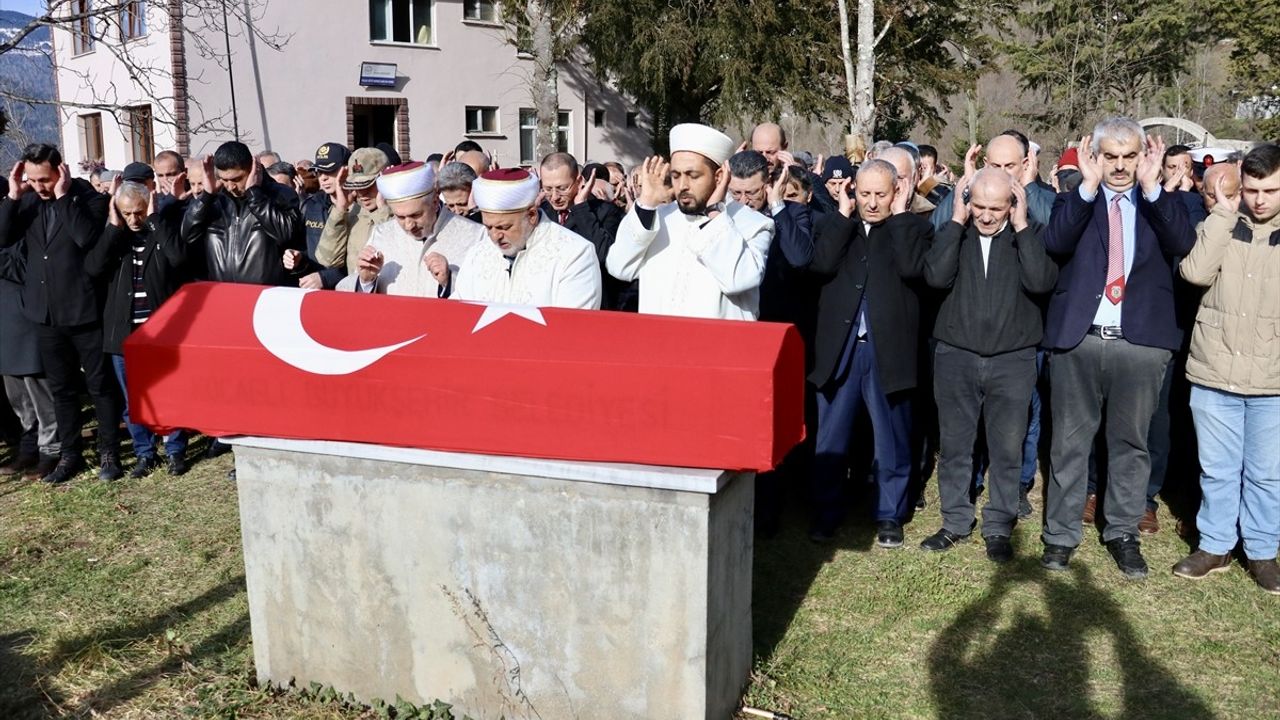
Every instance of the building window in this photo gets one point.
(141, 137)
(81, 27)
(133, 19)
(529, 130)
(401, 21)
(482, 10)
(482, 120)
(633, 119)
(90, 136)
(598, 119)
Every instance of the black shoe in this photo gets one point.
(944, 539)
(178, 466)
(146, 465)
(216, 449)
(110, 467)
(889, 534)
(1056, 557)
(45, 466)
(68, 467)
(1024, 505)
(920, 502)
(999, 549)
(19, 464)
(1127, 551)
(821, 537)
(231, 475)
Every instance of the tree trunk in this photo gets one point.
(545, 85)
(847, 53)
(864, 104)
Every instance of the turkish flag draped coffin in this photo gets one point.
(229, 359)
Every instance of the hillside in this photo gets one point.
(26, 71)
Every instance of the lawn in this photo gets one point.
(126, 600)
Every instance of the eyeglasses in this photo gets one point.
(561, 190)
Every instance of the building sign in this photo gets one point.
(377, 74)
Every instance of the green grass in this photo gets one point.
(126, 600)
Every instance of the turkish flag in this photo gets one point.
(229, 359)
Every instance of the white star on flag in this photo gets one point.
(494, 312)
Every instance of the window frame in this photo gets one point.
(85, 122)
(133, 10)
(564, 133)
(389, 6)
(479, 19)
(496, 115)
(82, 38)
(142, 133)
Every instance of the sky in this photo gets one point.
(30, 7)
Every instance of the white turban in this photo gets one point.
(501, 191)
(406, 182)
(706, 141)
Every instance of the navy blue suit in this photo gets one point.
(782, 293)
(1077, 237)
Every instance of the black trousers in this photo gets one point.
(997, 389)
(66, 351)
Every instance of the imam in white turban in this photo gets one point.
(706, 141)
(507, 190)
(406, 182)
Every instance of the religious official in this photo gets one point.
(697, 256)
(531, 260)
(407, 256)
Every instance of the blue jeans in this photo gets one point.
(1030, 446)
(1239, 440)
(144, 441)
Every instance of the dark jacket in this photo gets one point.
(881, 267)
(993, 311)
(782, 292)
(244, 239)
(1040, 199)
(315, 212)
(1077, 237)
(598, 221)
(58, 292)
(19, 352)
(164, 257)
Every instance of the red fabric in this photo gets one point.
(586, 385)
(506, 175)
(1115, 252)
(1070, 157)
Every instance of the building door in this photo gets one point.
(378, 120)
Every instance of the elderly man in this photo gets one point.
(244, 221)
(1234, 368)
(1004, 152)
(1112, 330)
(865, 349)
(454, 185)
(407, 256)
(697, 256)
(770, 140)
(906, 160)
(572, 201)
(993, 271)
(357, 210)
(1230, 175)
(58, 221)
(142, 261)
(531, 260)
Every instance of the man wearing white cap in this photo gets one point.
(531, 260)
(406, 256)
(697, 256)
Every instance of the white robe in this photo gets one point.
(694, 268)
(402, 270)
(556, 268)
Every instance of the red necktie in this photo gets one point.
(1115, 253)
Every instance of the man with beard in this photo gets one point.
(697, 256)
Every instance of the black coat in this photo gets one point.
(998, 310)
(163, 260)
(58, 291)
(19, 353)
(598, 221)
(883, 267)
(244, 239)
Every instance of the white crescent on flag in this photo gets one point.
(277, 321)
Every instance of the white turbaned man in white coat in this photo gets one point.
(696, 256)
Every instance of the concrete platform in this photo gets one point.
(509, 587)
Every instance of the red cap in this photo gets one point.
(507, 175)
(1069, 158)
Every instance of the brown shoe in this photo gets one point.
(1267, 574)
(1201, 564)
(1149, 525)
(1090, 508)
(19, 465)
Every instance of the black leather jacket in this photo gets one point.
(244, 239)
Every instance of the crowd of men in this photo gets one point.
(947, 310)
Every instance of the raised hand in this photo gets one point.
(1150, 164)
(903, 193)
(255, 176)
(210, 179)
(1220, 194)
(786, 159)
(369, 263)
(1090, 167)
(779, 188)
(438, 266)
(17, 185)
(341, 196)
(819, 165)
(959, 205)
(584, 191)
(1019, 215)
(971, 161)
(653, 179)
(63, 185)
(1175, 182)
(1031, 167)
(846, 203)
(722, 188)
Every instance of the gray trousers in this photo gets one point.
(997, 389)
(1100, 376)
(33, 404)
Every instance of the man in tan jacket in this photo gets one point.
(357, 208)
(1234, 368)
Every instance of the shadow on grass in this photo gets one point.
(25, 675)
(1039, 666)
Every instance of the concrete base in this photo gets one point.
(508, 587)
